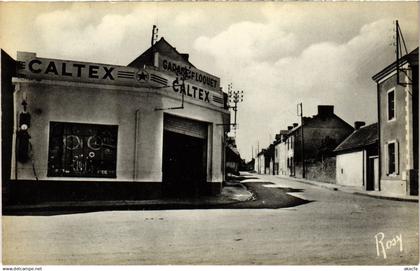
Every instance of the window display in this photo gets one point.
(82, 150)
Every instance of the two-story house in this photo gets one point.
(398, 123)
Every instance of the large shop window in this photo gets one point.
(82, 150)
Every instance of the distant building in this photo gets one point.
(280, 157)
(398, 116)
(357, 162)
(290, 150)
(233, 157)
(265, 160)
(249, 166)
(269, 160)
(321, 133)
(261, 162)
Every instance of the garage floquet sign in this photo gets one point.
(197, 85)
(192, 74)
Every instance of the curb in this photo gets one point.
(111, 206)
(338, 188)
(318, 184)
(118, 205)
(386, 197)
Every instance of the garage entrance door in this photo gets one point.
(184, 156)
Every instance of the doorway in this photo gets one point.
(372, 180)
(184, 161)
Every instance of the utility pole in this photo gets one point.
(258, 158)
(153, 61)
(154, 35)
(300, 113)
(235, 97)
(397, 49)
(399, 40)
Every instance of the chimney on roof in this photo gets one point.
(289, 128)
(185, 56)
(358, 124)
(295, 124)
(325, 110)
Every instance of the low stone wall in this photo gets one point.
(321, 171)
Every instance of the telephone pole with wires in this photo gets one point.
(258, 159)
(399, 44)
(300, 114)
(235, 97)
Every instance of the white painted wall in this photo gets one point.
(396, 187)
(140, 126)
(282, 150)
(261, 164)
(349, 169)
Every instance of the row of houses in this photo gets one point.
(233, 157)
(321, 134)
(382, 156)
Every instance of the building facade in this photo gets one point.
(261, 162)
(321, 135)
(291, 150)
(280, 156)
(398, 116)
(357, 162)
(155, 126)
(7, 72)
(233, 157)
(269, 160)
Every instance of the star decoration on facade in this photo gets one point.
(142, 76)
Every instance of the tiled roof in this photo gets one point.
(164, 48)
(360, 138)
(233, 149)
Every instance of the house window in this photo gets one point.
(82, 150)
(391, 104)
(392, 157)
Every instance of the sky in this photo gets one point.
(278, 53)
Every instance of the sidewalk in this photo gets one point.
(230, 195)
(354, 190)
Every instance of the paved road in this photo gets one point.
(334, 228)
